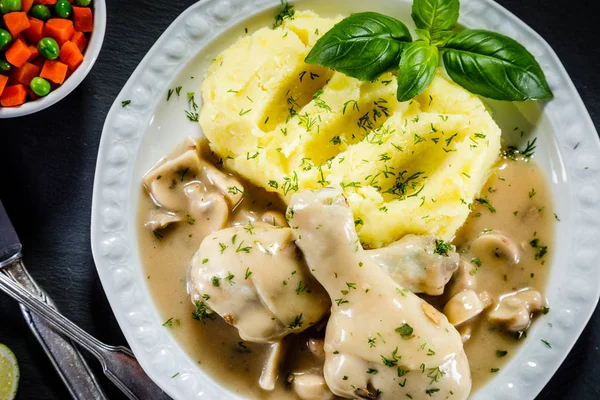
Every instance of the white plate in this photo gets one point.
(135, 137)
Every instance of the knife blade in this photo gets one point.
(10, 245)
(65, 357)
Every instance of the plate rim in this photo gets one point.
(123, 132)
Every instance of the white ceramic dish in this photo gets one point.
(89, 58)
(134, 138)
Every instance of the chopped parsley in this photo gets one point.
(442, 248)
(393, 360)
(501, 353)
(297, 322)
(241, 249)
(229, 278)
(301, 289)
(486, 202)
(223, 247)
(125, 103)
(406, 331)
(371, 341)
(545, 310)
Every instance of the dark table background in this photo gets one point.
(47, 164)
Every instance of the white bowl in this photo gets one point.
(135, 137)
(89, 58)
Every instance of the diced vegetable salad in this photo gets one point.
(41, 44)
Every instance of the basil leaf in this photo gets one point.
(495, 66)
(424, 34)
(363, 46)
(435, 16)
(441, 38)
(417, 69)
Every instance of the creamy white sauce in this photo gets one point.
(204, 199)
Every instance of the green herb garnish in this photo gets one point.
(366, 45)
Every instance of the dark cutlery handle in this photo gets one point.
(66, 358)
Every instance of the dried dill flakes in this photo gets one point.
(202, 312)
(512, 152)
(287, 13)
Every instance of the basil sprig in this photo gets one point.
(362, 46)
(366, 45)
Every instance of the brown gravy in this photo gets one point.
(517, 192)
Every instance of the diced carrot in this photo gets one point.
(3, 81)
(84, 20)
(35, 32)
(54, 71)
(32, 94)
(16, 22)
(34, 53)
(70, 55)
(25, 74)
(59, 29)
(18, 53)
(47, 2)
(13, 96)
(80, 40)
(39, 61)
(26, 5)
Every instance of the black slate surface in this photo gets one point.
(47, 164)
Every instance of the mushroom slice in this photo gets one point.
(418, 263)
(270, 371)
(533, 299)
(465, 306)
(316, 347)
(274, 218)
(462, 279)
(465, 332)
(229, 186)
(310, 386)
(514, 311)
(164, 181)
(499, 245)
(159, 219)
(209, 210)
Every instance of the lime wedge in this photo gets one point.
(9, 374)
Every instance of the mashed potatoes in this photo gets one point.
(411, 167)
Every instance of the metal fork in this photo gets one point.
(119, 363)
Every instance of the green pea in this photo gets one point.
(40, 11)
(40, 86)
(5, 66)
(63, 9)
(83, 3)
(7, 6)
(48, 48)
(5, 39)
